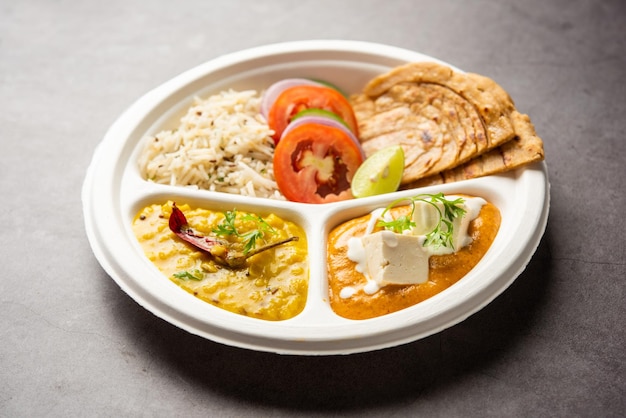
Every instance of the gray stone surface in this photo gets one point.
(73, 344)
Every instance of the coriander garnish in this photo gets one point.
(441, 235)
(227, 228)
(194, 274)
(399, 224)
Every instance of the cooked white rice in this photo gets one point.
(222, 144)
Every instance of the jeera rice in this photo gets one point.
(222, 144)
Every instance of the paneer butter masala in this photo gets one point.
(398, 256)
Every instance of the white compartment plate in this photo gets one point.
(113, 192)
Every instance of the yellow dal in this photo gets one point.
(274, 284)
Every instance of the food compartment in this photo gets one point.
(210, 133)
(250, 259)
(363, 283)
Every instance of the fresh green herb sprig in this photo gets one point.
(194, 274)
(401, 223)
(228, 228)
(442, 233)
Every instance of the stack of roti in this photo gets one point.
(451, 125)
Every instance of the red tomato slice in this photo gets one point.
(315, 164)
(295, 99)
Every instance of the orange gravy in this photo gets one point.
(444, 270)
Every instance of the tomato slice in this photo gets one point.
(315, 163)
(298, 98)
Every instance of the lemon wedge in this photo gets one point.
(380, 173)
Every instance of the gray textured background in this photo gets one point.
(73, 344)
